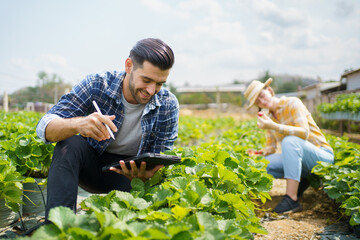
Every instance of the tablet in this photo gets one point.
(151, 159)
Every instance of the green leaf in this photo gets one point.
(157, 215)
(342, 186)
(88, 222)
(36, 151)
(62, 217)
(334, 193)
(96, 202)
(180, 212)
(23, 152)
(352, 203)
(355, 218)
(221, 156)
(160, 197)
(179, 183)
(182, 235)
(123, 214)
(126, 200)
(106, 218)
(154, 234)
(136, 227)
(137, 189)
(189, 198)
(206, 221)
(187, 153)
(79, 233)
(48, 232)
(24, 141)
(257, 229)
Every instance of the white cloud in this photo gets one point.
(49, 63)
(283, 17)
(343, 8)
(53, 60)
(157, 5)
(211, 7)
(21, 63)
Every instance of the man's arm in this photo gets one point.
(70, 115)
(91, 126)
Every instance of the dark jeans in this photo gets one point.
(75, 163)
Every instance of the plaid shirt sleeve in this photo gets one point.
(296, 113)
(73, 104)
(271, 143)
(41, 126)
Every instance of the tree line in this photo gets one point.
(50, 87)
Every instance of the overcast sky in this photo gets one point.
(215, 41)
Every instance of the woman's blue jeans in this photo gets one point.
(297, 159)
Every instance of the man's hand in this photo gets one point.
(135, 172)
(93, 126)
(90, 126)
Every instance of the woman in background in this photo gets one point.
(290, 124)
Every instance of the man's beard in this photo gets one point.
(133, 91)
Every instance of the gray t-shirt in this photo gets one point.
(128, 137)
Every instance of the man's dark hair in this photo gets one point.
(153, 50)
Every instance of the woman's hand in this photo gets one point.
(136, 172)
(264, 122)
(253, 152)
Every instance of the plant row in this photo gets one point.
(212, 194)
(193, 131)
(344, 103)
(341, 180)
(23, 156)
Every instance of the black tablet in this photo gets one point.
(151, 159)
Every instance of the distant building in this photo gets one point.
(321, 92)
(38, 106)
(213, 89)
(352, 79)
(316, 93)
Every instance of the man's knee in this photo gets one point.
(71, 149)
(75, 142)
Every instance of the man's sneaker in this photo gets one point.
(288, 205)
(303, 185)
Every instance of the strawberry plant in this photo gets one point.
(23, 148)
(209, 195)
(193, 130)
(10, 185)
(341, 180)
(344, 103)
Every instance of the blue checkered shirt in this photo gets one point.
(159, 122)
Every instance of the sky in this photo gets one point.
(215, 41)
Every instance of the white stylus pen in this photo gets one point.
(107, 127)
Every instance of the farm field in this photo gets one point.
(217, 193)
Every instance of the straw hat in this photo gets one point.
(254, 89)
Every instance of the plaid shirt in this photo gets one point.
(295, 120)
(159, 121)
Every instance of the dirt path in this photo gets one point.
(312, 223)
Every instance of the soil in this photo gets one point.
(319, 212)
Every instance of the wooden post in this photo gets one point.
(341, 126)
(5, 102)
(218, 101)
